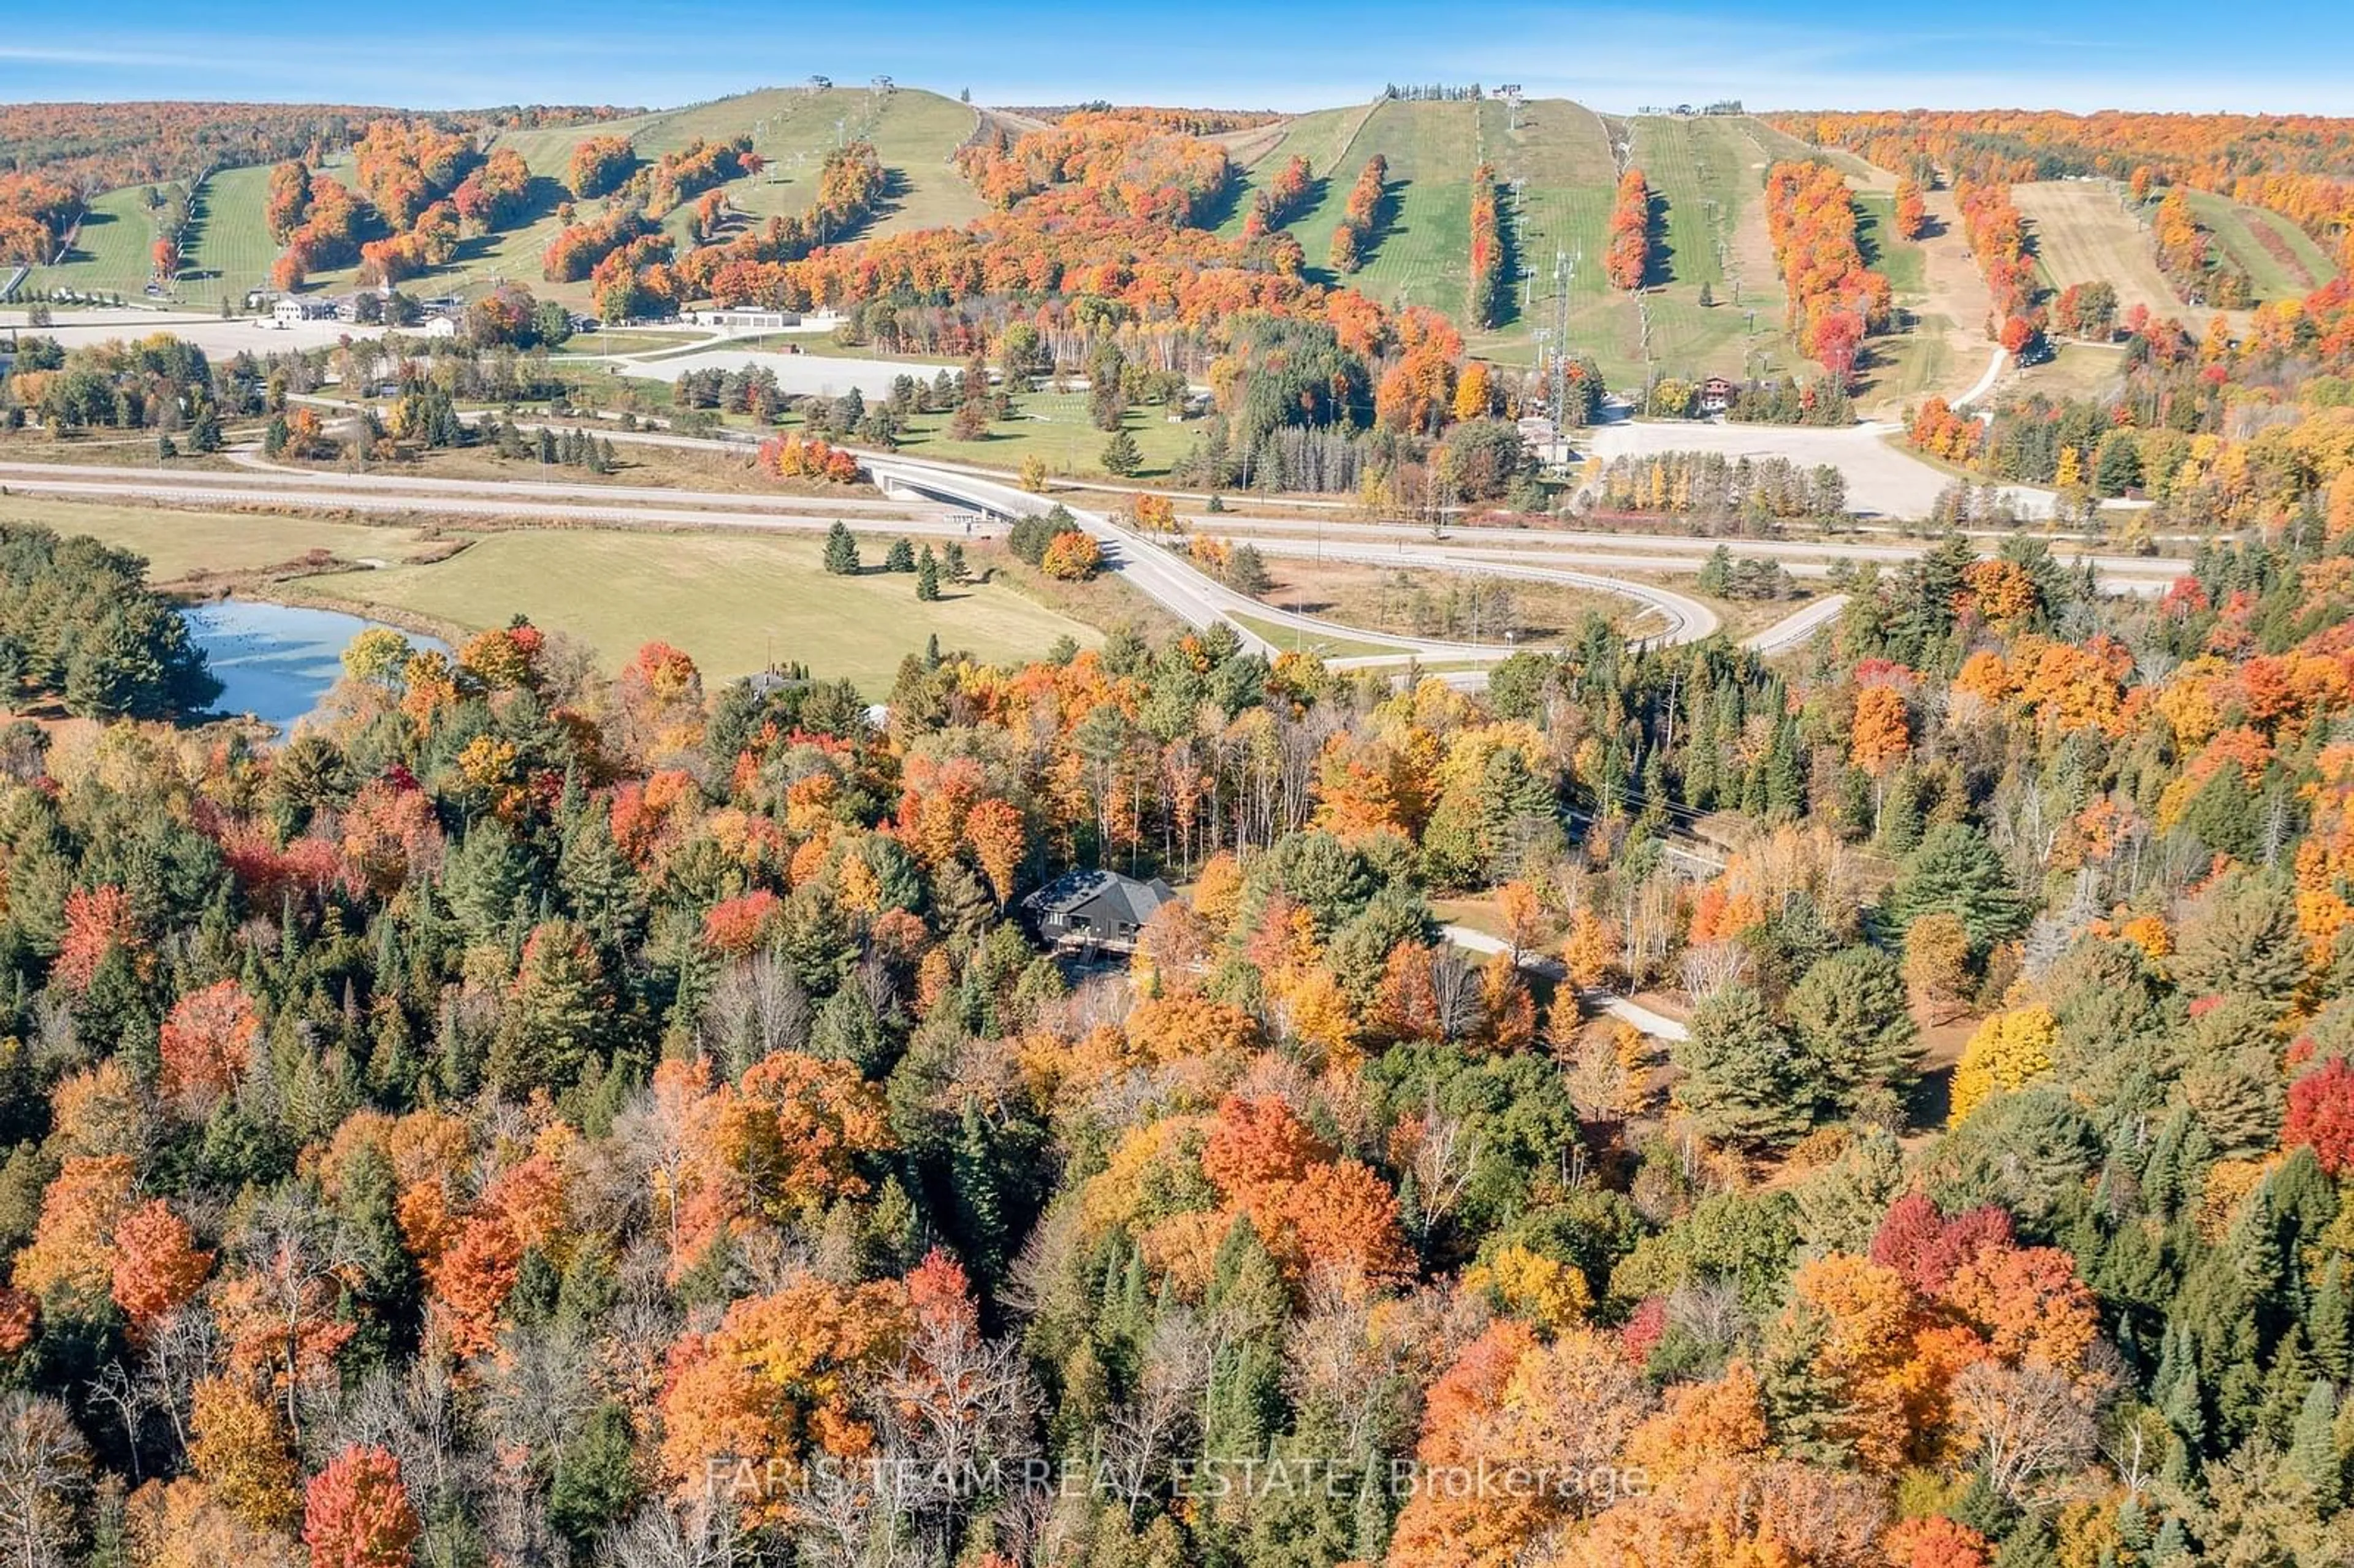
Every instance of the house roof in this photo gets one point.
(1121, 897)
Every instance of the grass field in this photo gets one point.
(2081, 370)
(111, 254)
(1293, 639)
(1900, 261)
(1423, 256)
(1714, 234)
(2291, 267)
(2081, 233)
(1054, 426)
(1561, 154)
(736, 604)
(184, 545)
(230, 252)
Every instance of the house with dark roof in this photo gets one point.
(1096, 910)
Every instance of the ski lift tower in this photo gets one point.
(1564, 268)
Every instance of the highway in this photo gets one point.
(941, 500)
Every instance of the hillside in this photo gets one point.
(913, 132)
(1420, 257)
(2082, 233)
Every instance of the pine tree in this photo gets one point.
(1743, 1083)
(901, 557)
(928, 576)
(841, 550)
(1858, 1031)
(2327, 1321)
(1121, 456)
(1958, 872)
(2313, 1447)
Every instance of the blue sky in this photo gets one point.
(2138, 54)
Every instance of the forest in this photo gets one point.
(535, 1116)
(1888, 1104)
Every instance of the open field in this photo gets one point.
(2081, 370)
(1941, 347)
(1561, 153)
(1420, 602)
(2280, 258)
(2082, 234)
(1054, 426)
(1900, 261)
(232, 251)
(735, 604)
(181, 547)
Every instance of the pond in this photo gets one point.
(277, 661)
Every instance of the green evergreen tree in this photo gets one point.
(1857, 1029)
(1744, 1081)
(900, 556)
(841, 550)
(2312, 1455)
(596, 1481)
(1122, 457)
(928, 576)
(1956, 871)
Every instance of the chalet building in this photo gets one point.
(1716, 395)
(1099, 909)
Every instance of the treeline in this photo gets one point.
(2201, 272)
(1710, 488)
(851, 185)
(1488, 296)
(1835, 299)
(78, 626)
(158, 382)
(1363, 218)
(36, 212)
(1626, 261)
(1997, 233)
(1282, 198)
(96, 147)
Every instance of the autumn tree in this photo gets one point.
(44, 1479)
(356, 1514)
(206, 1042)
(157, 1264)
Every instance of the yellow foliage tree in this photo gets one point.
(240, 1453)
(2008, 1050)
(1591, 951)
(1541, 1291)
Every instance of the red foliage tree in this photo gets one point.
(2321, 1115)
(356, 1513)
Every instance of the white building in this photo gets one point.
(745, 318)
(291, 312)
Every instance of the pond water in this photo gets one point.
(277, 661)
